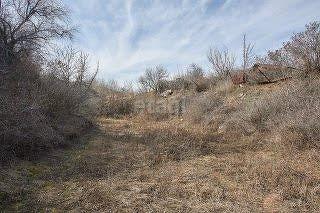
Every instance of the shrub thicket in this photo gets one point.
(40, 108)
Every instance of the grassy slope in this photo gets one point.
(145, 166)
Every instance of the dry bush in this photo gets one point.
(213, 80)
(179, 83)
(58, 99)
(201, 106)
(24, 128)
(67, 81)
(202, 85)
(302, 51)
(152, 79)
(114, 100)
(292, 111)
(116, 106)
(37, 113)
(304, 47)
(195, 75)
(192, 79)
(211, 105)
(37, 107)
(222, 62)
(25, 131)
(224, 87)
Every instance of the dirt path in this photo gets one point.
(120, 168)
(60, 181)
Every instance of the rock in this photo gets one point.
(166, 93)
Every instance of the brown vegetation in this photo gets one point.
(44, 99)
(114, 101)
(139, 165)
(222, 62)
(153, 79)
(248, 148)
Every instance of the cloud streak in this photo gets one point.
(127, 36)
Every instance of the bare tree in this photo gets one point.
(281, 57)
(72, 67)
(82, 68)
(26, 24)
(195, 71)
(222, 61)
(63, 63)
(153, 78)
(247, 53)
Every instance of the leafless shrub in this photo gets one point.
(202, 106)
(24, 130)
(37, 109)
(153, 78)
(281, 58)
(292, 111)
(58, 99)
(180, 82)
(34, 103)
(222, 62)
(67, 81)
(116, 106)
(115, 100)
(213, 80)
(223, 87)
(25, 133)
(71, 67)
(192, 78)
(304, 47)
(36, 112)
(195, 74)
(301, 52)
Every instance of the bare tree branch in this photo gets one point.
(26, 24)
(72, 67)
(222, 61)
(247, 53)
(152, 78)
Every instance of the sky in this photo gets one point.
(128, 36)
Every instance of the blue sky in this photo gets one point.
(127, 36)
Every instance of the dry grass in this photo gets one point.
(129, 166)
(258, 152)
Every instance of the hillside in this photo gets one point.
(141, 165)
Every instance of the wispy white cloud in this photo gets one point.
(127, 36)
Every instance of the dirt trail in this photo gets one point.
(116, 168)
(78, 177)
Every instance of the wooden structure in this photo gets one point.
(263, 74)
(268, 73)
